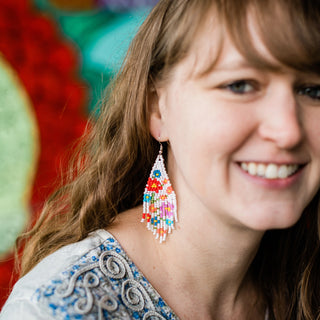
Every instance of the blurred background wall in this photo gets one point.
(56, 57)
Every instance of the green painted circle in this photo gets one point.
(18, 156)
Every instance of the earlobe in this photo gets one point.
(156, 120)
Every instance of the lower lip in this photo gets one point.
(273, 183)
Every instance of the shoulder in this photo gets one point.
(21, 300)
(92, 279)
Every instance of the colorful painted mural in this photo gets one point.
(56, 57)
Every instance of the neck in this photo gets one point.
(206, 263)
(211, 261)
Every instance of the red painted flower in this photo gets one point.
(48, 68)
(154, 185)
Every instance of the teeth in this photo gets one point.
(270, 171)
(252, 169)
(261, 168)
(284, 171)
(244, 166)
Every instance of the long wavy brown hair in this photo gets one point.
(110, 169)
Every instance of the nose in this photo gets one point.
(282, 120)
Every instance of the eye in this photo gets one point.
(310, 91)
(241, 86)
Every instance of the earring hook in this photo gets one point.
(161, 148)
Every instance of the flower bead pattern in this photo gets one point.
(154, 185)
(157, 173)
(159, 201)
(169, 190)
(147, 198)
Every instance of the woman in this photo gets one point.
(228, 93)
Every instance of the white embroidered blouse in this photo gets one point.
(91, 279)
(88, 280)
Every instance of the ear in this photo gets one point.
(157, 102)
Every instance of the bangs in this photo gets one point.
(181, 23)
(290, 30)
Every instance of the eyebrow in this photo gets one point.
(265, 65)
(242, 64)
(234, 65)
(226, 66)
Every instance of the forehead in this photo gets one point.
(214, 47)
(248, 33)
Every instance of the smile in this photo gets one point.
(269, 171)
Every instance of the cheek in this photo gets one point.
(311, 127)
(211, 123)
(204, 143)
(312, 136)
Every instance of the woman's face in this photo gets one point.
(244, 142)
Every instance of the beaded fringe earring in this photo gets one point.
(159, 201)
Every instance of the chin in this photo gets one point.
(275, 220)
